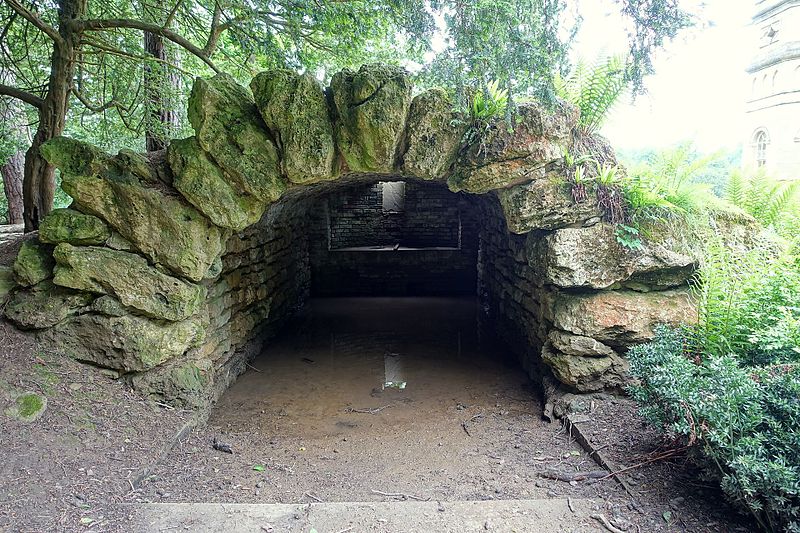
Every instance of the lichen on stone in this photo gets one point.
(73, 227)
(34, 263)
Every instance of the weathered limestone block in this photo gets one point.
(185, 382)
(586, 373)
(620, 318)
(227, 125)
(433, 135)
(545, 204)
(570, 344)
(73, 227)
(157, 221)
(295, 110)
(128, 277)
(45, 305)
(7, 282)
(34, 263)
(502, 157)
(129, 343)
(592, 257)
(371, 105)
(203, 184)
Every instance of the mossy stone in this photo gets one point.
(228, 126)
(34, 263)
(203, 184)
(73, 227)
(7, 282)
(433, 135)
(129, 343)
(44, 305)
(129, 278)
(185, 382)
(155, 220)
(371, 108)
(27, 407)
(295, 110)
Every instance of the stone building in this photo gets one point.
(772, 120)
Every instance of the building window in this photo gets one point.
(760, 142)
(393, 195)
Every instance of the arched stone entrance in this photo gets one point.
(171, 268)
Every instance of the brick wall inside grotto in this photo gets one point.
(172, 268)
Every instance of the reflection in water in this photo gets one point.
(404, 360)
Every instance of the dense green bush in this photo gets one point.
(745, 420)
(730, 385)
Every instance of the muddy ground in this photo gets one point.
(323, 417)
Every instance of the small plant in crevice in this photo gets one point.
(628, 236)
(609, 194)
(578, 179)
(488, 103)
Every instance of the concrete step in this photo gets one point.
(524, 516)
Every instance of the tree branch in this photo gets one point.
(28, 98)
(113, 24)
(34, 19)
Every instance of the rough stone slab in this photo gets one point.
(73, 227)
(185, 382)
(504, 155)
(531, 516)
(228, 126)
(545, 203)
(592, 257)
(128, 343)
(295, 110)
(371, 107)
(586, 373)
(7, 282)
(44, 305)
(34, 263)
(433, 135)
(129, 278)
(621, 318)
(164, 227)
(570, 344)
(203, 184)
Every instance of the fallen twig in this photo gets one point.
(311, 495)
(248, 365)
(469, 420)
(660, 457)
(606, 524)
(367, 410)
(575, 476)
(401, 495)
(569, 504)
(345, 530)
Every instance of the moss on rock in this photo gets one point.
(73, 227)
(203, 184)
(371, 107)
(44, 305)
(128, 343)
(294, 109)
(27, 407)
(228, 126)
(156, 220)
(185, 382)
(34, 263)
(433, 135)
(129, 278)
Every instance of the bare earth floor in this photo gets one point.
(365, 415)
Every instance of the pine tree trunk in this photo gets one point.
(158, 86)
(39, 182)
(12, 173)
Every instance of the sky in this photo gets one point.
(700, 84)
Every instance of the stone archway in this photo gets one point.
(170, 268)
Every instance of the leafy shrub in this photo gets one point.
(744, 420)
(731, 383)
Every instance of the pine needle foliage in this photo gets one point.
(595, 89)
